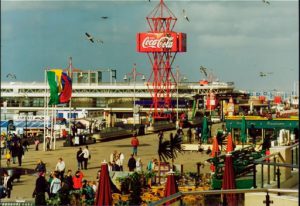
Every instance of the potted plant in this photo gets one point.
(149, 175)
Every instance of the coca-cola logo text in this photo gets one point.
(163, 42)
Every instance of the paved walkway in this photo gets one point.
(99, 152)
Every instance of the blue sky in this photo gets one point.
(235, 39)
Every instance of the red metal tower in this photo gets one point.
(161, 45)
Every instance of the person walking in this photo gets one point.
(55, 185)
(20, 153)
(86, 156)
(25, 144)
(48, 144)
(7, 183)
(79, 157)
(41, 186)
(131, 163)
(60, 168)
(134, 143)
(14, 152)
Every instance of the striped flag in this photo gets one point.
(60, 87)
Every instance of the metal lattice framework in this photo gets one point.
(162, 81)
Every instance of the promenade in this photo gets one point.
(100, 151)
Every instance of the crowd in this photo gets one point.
(62, 181)
(62, 185)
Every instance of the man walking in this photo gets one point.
(79, 157)
(134, 143)
(41, 186)
(86, 156)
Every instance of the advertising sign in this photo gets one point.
(161, 42)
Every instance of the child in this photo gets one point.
(7, 157)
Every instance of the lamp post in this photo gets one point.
(26, 123)
(134, 74)
(178, 80)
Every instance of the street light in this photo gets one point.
(178, 80)
(134, 74)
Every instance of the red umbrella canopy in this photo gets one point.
(229, 143)
(103, 196)
(215, 147)
(171, 186)
(229, 180)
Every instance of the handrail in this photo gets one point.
(280, 164)
(237, 191)
(210, 192)
(293, 145)
(260, 160)
(166, 199)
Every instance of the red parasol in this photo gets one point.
(229, 144)
(171, 186)
(103, 195)
(229, 180)
(215, 151)
(215, 148)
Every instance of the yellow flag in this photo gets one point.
(58, 73)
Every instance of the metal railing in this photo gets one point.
(273, 160)
(179, 195)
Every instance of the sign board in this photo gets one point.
(136, 118)
(161, 42)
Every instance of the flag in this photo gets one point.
(60, 87)
(54, 99)
(66, 93)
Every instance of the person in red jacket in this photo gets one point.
(77, 180)
(134, 144)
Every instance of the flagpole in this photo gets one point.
(52, 125)
(70, 102)
(45, 105)
(54, 116)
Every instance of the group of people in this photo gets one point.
(62, 187)
(15, 149)
(116, 161)
(59, 184)
(134, 164)
(83, 156)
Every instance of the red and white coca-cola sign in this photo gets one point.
(157, 42)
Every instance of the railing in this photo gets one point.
(295, 153)
(273, 160)
(179, 195)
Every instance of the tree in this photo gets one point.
(168, 149)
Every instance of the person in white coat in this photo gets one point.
(139, 165)
(86, 156)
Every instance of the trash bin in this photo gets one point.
(141, 130)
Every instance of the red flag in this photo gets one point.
(66, 93)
